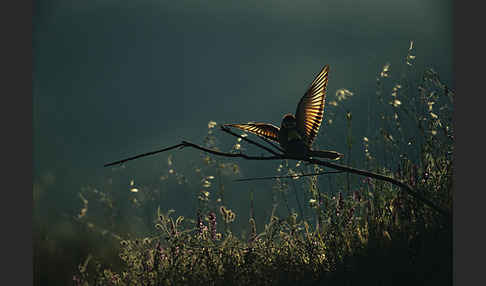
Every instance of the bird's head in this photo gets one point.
(289, 121)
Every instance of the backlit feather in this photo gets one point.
(310, 109)
(265, 130)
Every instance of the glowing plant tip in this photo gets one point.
(411, 45)
(348, 115)
(206, 194)
(222, 210)
(134, 190)
(433, 115)
(210, 177)
(333, 103)
(396, 103)
(365, 139)
(237, 146)
(85, 201)
(169, 160)
(395, 90)
(343, 93)
(83, 212)
(312, 201)
(171, 171)
(386, 69)
(206, 184)
(294, 175)
(211, 124)
(244, 135)
(132, 182)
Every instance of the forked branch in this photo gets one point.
(282, 156)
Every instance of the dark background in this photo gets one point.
(116, 78)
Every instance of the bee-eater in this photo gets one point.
(297, 133)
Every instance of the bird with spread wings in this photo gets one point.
(298, 132)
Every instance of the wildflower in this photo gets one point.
(369, 209)
(200, 224)
(350, 215)
(212, 225)
(425, 175)
(413, 175)
(77, 280)
(252, 236)
(339, 204)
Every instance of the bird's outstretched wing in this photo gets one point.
(264, 130)
(310, 109)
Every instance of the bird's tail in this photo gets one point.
(333, 155)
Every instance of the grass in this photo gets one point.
(341, 230)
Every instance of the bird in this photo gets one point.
(298, 132)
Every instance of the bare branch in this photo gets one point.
(189, 144)
(233, 155)
(284, 156)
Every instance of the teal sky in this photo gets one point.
(113, 79)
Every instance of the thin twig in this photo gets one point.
(286, 177)
(143, 155)
(297, 199)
